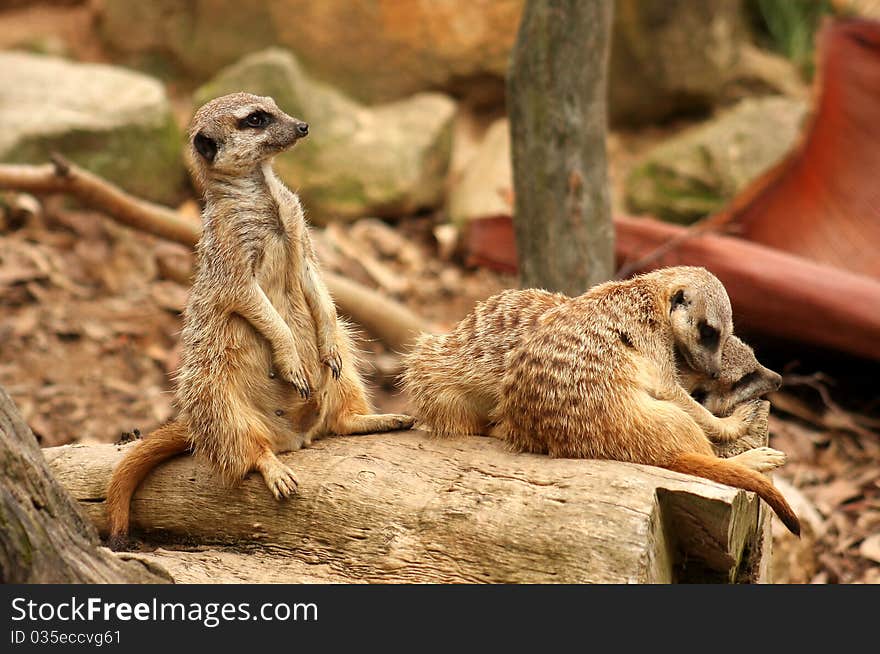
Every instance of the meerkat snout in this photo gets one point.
(768, 380)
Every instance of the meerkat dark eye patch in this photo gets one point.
(205, 146)
(745, 380)
(709, 336)
(625, 339)
(678, 300)
(700, 395)
(255, 120)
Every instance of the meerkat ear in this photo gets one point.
(205, 146)
(678, 299)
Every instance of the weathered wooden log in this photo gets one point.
(406, 507)
(43, 536)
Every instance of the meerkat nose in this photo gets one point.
(302, 129)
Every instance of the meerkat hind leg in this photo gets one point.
(760, 459)
(375, 422)
(278, 477)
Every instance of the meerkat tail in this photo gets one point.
(726, 472)
(162, 444)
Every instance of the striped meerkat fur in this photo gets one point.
(531, 367)
(453, 380)
(598, 379)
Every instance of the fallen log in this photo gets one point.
(405, 507)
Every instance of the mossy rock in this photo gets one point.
(699, 171)
(376, 51)
(111, 121)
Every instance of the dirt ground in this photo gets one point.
(89, 329)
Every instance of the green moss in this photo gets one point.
(790, 26)
(145, 161)
(671, 196)
(341, 197)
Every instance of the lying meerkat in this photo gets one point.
(742, 379)
(597, 378)
(266, 366)
(453, 379)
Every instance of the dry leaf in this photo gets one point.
(870, 548)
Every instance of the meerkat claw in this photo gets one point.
(300, 383)
(282, 482)
(302, 387)
(402, 421)
(334, 362)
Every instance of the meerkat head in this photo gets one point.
(234, 134)
(742, 378)
(701, 317)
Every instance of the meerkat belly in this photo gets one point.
(293, 418)
(262, 395)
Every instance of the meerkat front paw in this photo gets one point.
(331, 358)
(748, 419)
(290, 369)
(401, 421)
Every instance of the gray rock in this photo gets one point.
(114, 122)
(699, 171)
(485, 186)
(668, 56)
(386, 160)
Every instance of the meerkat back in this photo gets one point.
(453, 380)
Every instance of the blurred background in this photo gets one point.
(763, 112)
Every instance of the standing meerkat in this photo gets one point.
(265, 367)
(597, 379)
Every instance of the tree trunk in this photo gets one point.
(556, 99)
(43, 536)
